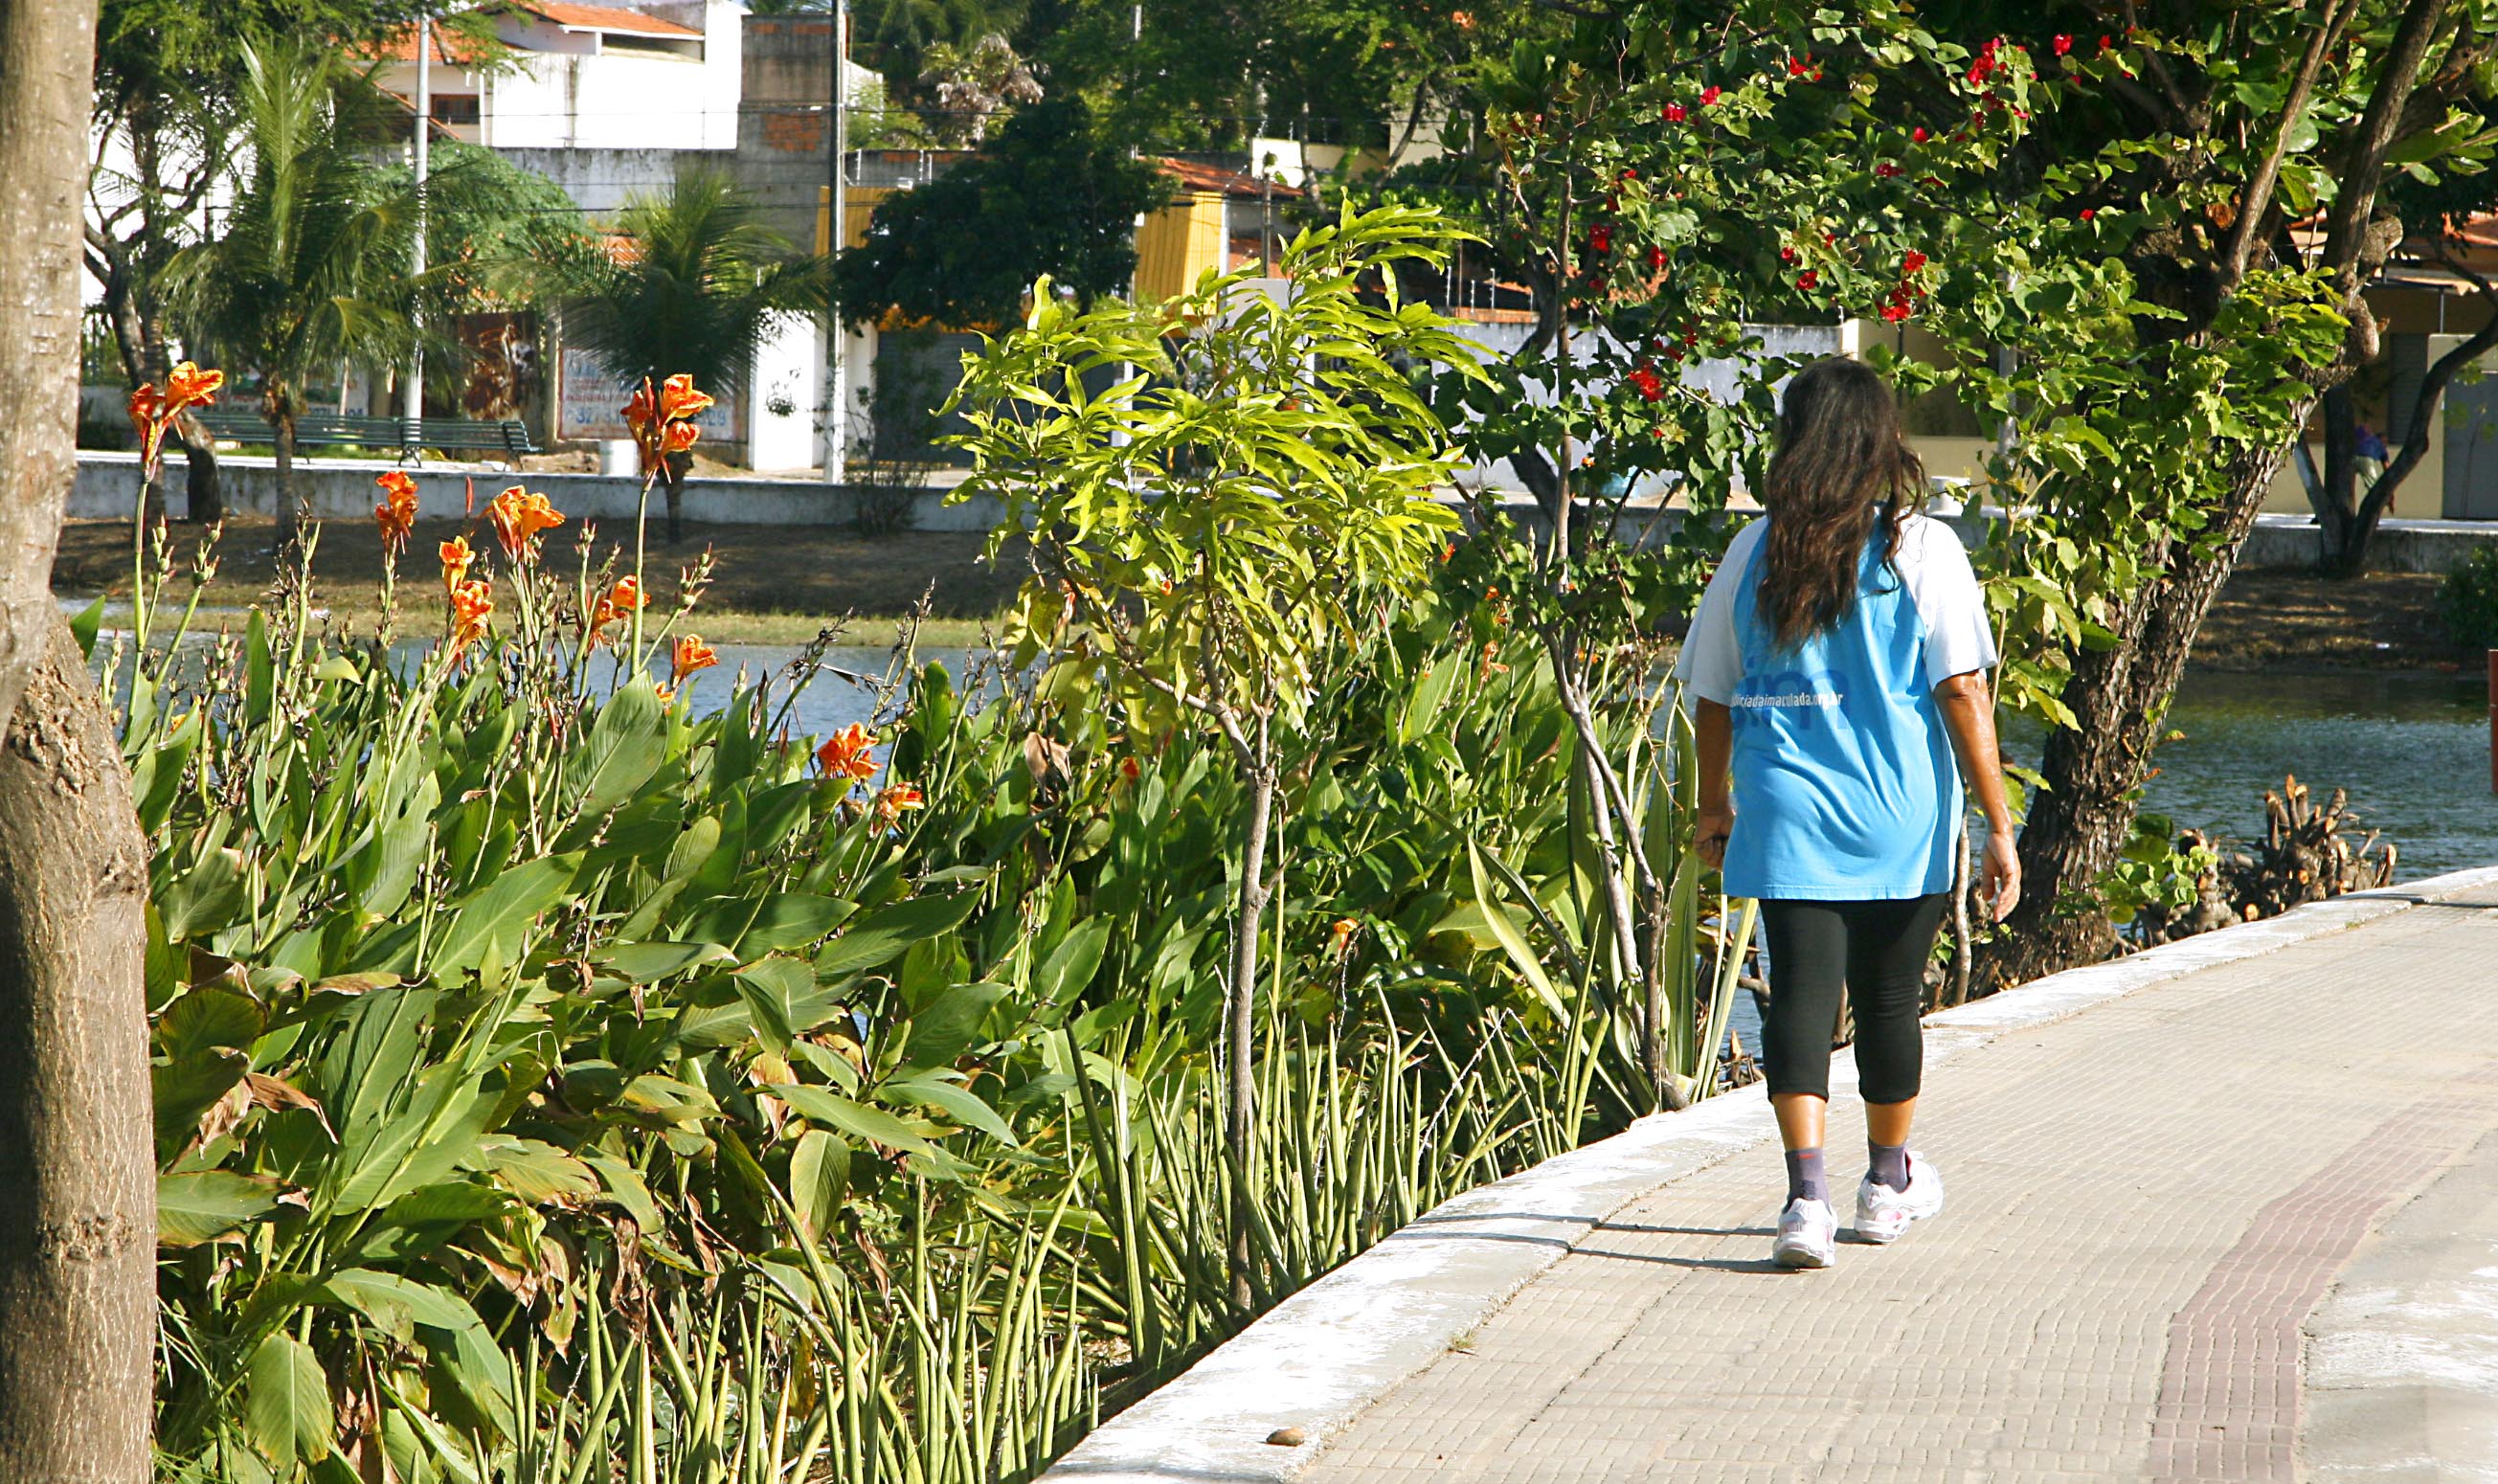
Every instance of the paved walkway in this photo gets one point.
(2152, 1202)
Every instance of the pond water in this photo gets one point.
(2411, 750)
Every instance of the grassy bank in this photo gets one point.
(769, 584)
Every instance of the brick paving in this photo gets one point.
(2146, 1199)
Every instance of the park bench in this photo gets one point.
(449, 434)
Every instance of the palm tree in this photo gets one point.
(310, 269)
(689, 282)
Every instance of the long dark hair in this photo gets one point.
(1839, 457)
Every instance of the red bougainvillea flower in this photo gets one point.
(517, 516)
(1675, 112)
(1645, 380)
(1885, 171)
(471, 606)
(397, 512)
(2089, 211)
(456, 561)
(1786, 255)
(1919, 134)
(622, 600)
(1912, 262)
(846, 755)
(1657, 260)
(692, 654)
(1808, 279)
(2063, 45)
(1600, 238)
(1709, 96)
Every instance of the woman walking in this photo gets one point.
(1840, 660)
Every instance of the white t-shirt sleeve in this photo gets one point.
(1935, 567)
(1713, 658)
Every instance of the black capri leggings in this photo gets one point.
(1877, 949)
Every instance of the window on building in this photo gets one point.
(455, 110)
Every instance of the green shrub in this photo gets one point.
(549, 1069)
(2468, 602)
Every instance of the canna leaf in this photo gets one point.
(208, 1204)
(286, 1399)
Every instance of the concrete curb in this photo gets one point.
(1320, 1358)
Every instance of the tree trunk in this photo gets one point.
(2118, 697)
(204, 495)
(2337, 516)
(77, 1180)
(1239, 1131)
(78, 1220)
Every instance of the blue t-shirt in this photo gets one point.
(1844, 784)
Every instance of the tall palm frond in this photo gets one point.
(311, 267)
(688, 281)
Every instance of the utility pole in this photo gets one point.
(837, 396)
(413, 412)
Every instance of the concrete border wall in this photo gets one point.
(341, 488)
(108, 488)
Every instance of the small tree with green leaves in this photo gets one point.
(1216, 488)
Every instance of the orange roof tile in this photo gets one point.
(603, 18)
(1215, 179)
(450, 48)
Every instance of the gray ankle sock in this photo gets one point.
(1887, 1164)
(1805, 1179)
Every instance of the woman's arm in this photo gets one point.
(1968, 705)
(1716, 728)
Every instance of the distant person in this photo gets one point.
(2370, 461)
(1839, 658)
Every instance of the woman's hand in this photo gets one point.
(1709, 832)
(1998, 878)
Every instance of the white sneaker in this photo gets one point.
(1807, 1235)
(1882, 1214)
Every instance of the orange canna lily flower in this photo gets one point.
(692, 655)
(471, 604)
(189, 386)
(897, 797)
(681, 437)
(396, 513)
(643, 410)
(1341, 935)
(624, 597)
(678, 398)
(456, 559)
(147, 414)
(844, 755)
(517, 516)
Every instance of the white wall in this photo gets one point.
(783, 391)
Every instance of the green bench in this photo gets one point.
(510, 437)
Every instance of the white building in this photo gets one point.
(664, 76)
